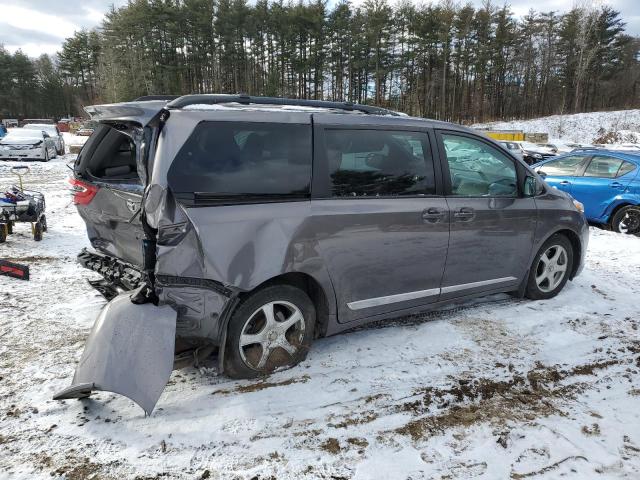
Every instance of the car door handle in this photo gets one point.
(565, 182)
(433, 215)
(465, 213)
(616, 185)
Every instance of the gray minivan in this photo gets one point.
(252, 225)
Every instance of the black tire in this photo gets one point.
(10, 228)
(43, 221)
(627, 220)
(37, 231)
(4, 231)
(537, 290)
(248, 318)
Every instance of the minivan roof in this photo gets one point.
(144, 109)
(216, 99)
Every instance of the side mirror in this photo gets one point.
(531, 187)
(45, 134)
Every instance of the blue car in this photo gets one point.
(3, 130)
(605, 181)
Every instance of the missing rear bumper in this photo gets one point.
(130, 351)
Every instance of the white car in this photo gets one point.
(53, 132)
(514, 147)
(21, 143)
(557, 147)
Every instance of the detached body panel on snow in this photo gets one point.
(130, 351)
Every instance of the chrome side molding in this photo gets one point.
(400, 297)
(403, 297)
(483, 283)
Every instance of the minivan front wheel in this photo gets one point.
(270, 330)
(551, 268)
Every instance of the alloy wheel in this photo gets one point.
(272, 336)
(551, 268)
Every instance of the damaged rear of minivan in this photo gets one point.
(161, 191)
(251, 225)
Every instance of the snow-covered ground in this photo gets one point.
(579, 127)
(501, 388)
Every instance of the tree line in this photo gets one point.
(440, 60)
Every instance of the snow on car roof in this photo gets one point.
(24, 133)
(266, 108)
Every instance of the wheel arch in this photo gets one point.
(308, 284)
(619, 206)
(576, 244)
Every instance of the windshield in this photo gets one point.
(22, 133)
(51, 129)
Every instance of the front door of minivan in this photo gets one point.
(492, 225)
(382, 225)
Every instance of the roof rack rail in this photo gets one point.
(211, 99)
(147, 98)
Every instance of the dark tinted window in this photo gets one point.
(563, 166)
(238, 158)
(478, 169)
(379, 163)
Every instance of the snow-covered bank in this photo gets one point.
(579, 127)
(501, 388)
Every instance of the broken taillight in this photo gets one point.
(82, 192)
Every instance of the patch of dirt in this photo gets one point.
(32, 259)
(546, 469)
(521, 397)
(331, 445)
(80, 471)
(262, 385)
(356, 420)
(591, 430)
(358, 442)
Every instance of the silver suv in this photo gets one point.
(252, 225)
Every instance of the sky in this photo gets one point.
(40, 26)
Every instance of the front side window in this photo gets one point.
(478, 169)
(244, 159)
(375, 163)
(603, 167)
(566, 166)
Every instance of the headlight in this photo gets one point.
(579, 206)
(536, 155)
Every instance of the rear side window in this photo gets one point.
(603, 167)
(376, 163)
(243, 158)
(625, 168)
(564, 166)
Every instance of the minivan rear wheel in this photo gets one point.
(270, 330)
(551, 268)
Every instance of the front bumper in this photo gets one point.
(11, 153)
(584, 243)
